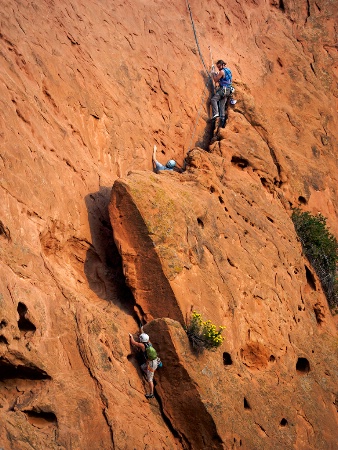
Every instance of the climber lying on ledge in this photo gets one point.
(171, 164)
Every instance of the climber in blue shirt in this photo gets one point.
(224, 79)
(171, 164)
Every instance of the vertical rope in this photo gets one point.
(196, 38)
(205, 68)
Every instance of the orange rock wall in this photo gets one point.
(86, 89)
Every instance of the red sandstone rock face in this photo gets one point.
(86, 89)
(227, 248)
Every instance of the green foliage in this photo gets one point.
(321, 249)
(203, 335)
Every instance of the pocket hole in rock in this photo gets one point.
(200, 222)
(283, 422)
(3, 340)
(231, 263)
(4, 231)
(246, 404)
(302, 200)
(310, 278)
(317, 309)
(220, 200)
(10, 371)
(24, 324)
(303, 365)
(272, 358)
(3, 324)
(227, 360)
(242, 163)
(40, 419)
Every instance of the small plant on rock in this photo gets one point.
(203, 334)
(321, 249)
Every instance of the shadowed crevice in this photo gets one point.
(27, 372)
(40, 418)
(103, 264)
(24, 323)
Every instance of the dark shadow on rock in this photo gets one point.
(204, 141)
(103, 264)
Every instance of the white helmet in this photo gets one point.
(171, 164)
(144, 337)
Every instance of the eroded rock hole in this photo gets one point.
(227, 360)
(246, 404)
(200, 222)
(336, 403)
(303, 365)
(4, 231)
(40, 419)
(212, 189)
(24, 324)
(317, 309)
(239, 162)
(281, 5)
(3, 324)
(270, 220)
(264, 182)
(231, 263)
(272, 358)
(310, 278)
(221, 200)
(283, 422)
(10, 371)
(3, 340)
(302, 200)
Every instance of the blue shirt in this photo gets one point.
(160, 166)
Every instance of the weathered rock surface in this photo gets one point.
(86, 89)
(227, 248)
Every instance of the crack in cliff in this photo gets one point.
(85, 359)
(262, 429)
(167, 420)
(263, 133)
(307, 11)
(291, 121)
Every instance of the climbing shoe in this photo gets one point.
(150, 396)
(233, 101)
(215, 116)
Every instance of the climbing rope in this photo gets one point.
(206, 70)
(196, 39)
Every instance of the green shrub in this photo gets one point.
(321, 249)
(203, 335)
